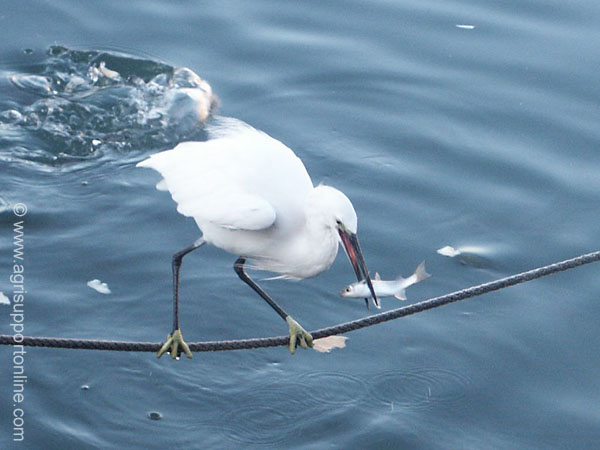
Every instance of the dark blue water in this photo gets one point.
(483, 137)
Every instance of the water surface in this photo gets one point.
(482, 137)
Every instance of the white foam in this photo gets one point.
(98, 286)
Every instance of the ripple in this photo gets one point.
(418, 388)
(268, 416)
(259, 425)
(335, 388)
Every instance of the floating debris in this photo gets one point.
(465, 27)
(154, 415)
(326, 344)
(448, 251)
(4, 300)
(468, 255)
(98, 286)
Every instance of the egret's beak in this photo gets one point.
(352, 248)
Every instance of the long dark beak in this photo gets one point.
(352, 247)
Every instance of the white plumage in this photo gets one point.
(251, 196)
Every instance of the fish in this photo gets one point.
(383, 288)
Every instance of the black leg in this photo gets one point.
(238, 266)
(176, 265)
(175, 343)
(297, 333)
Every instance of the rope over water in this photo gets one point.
(275, 341)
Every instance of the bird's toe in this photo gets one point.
(298, 335)
(173, 344)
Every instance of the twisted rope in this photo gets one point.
(242, 344)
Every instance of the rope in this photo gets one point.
(213, 346)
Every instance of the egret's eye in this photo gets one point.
(338, 221)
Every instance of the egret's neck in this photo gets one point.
(313, 247)
(317, 247)
(316, 243)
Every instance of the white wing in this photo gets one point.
(237, 180)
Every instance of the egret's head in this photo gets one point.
(336, 212)
(334, 208)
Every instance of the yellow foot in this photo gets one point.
(174, 342)
(298, 335)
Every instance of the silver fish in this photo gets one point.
(386, 288)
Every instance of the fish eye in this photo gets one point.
(348, 289)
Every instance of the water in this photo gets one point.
(483, 138)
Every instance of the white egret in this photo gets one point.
(250, 195)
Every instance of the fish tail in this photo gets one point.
(420, 273)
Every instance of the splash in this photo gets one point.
(77, 105)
